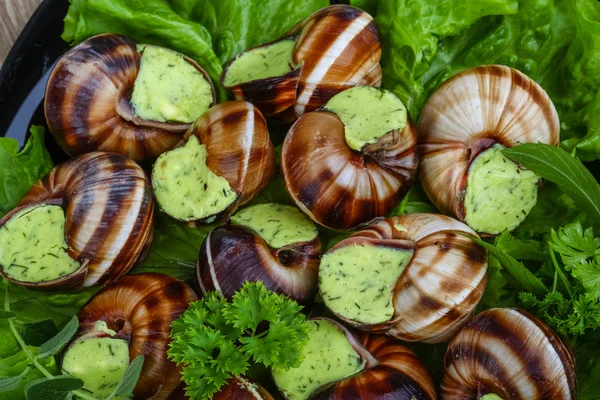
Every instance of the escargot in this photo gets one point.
(272, 243)
(416, 277)
(353, 160)
(506, 353)
(128, 318)
(224, 159)
(88, 222)
(237, 388)
(336, 48)
(340, 366)
(463, 128)
(111, 94)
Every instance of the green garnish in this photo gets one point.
(215, 339)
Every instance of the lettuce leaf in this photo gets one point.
(209, 31)
(20, 170)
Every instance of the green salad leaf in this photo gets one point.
(21, 169)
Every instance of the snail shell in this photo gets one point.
(88, 107)
(337, 47)
(140, 309)
(440, 286)
(237, 388)
(231, 255)
(397, 373)
(238, 149)
(512, 354)
(468, 114)
(108, 206)
(341, 188)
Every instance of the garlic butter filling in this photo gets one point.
(33, 246)
(357, 281)
(328, 357)
(278, 225)
(185, 188)
(260, 63)
(169, 88)
(499, 194)
(368, 114)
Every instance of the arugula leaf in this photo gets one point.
(559, 167)
(215, 340)
(20, 170)
(36, 333)
(415, 201)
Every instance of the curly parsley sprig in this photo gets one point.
(216, 340)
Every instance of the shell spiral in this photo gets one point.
(341, 188)
(141, 308)
(108, 206)
(397, 374)
(468, 114)
(231, 255)
(440, 287)
(87, 102)
(512, 354)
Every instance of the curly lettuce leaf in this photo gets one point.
(20, 170)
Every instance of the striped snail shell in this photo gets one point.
(341, 365)
(509, 353)
(105, 203)
(236, 253)
(239, 156)
(344, 184)
(238, 388)
(414, 277)
(470, 114)
(336, 48)
(88, 101)
(139, 309)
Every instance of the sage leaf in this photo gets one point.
(54, 345)
(561, 168)
(37, 333)
(56, 388)
(131, 377)
(523, 277)
(6, 314)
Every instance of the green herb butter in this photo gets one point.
(368, 114)
(490, 396)
(169, 88)
(185, 188)
(499, 193)
(328, 357)
(276, 224)
(99, 362)
(357, 281)
(260, 63)
(33, 246)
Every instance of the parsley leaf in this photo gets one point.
(574, 244)
(215, 340)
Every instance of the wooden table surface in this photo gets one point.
(14, 14)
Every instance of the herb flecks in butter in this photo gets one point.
(169, 88)
(490, 396)
(328, 357)
(33, 246)
(357, 281)
(260, 63)
(185, 188)
(368, 114)
(276, 224)
(499, 193)
(99, 362)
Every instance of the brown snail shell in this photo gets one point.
(338, 47)
(341, 188)
(468, 114)
(108, 206)
(231, 255)
(88, 107)
(440, 287)
(512, 354)
(237, 388)
(238, 148)
(141, 308)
